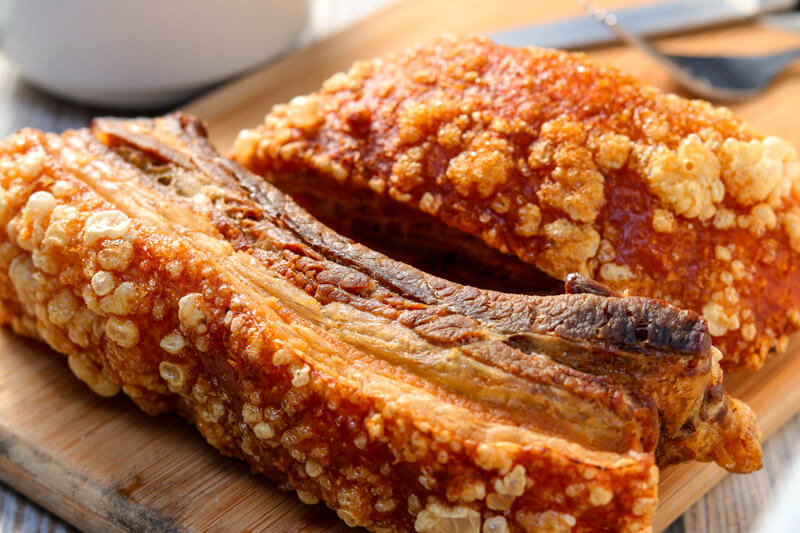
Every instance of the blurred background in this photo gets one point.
(23, 104)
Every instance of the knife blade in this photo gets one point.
(782, 21)
(649, 20)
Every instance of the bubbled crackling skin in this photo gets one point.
(558, 162)
(399, 399)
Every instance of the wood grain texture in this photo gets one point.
(161, 463)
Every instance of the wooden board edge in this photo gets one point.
(74, 497)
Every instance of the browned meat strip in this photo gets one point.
(400, 399)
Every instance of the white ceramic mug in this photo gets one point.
(143, 53)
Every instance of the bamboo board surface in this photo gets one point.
(104, 466)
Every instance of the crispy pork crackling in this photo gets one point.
(559, 162)
(402, 400)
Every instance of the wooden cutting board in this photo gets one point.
(104, 466)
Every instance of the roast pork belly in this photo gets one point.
(561, 163)
(402, 400)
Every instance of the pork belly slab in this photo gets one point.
(560, 163)
(402, 400)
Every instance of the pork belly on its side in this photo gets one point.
(399, 399)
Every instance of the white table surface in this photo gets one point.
(736, 505)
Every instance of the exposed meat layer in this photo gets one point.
(420, 240)
(400, 399)
(565, 163)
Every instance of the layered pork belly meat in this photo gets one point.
(400, 399)
(559, 162)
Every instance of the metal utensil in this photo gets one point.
(787, 21)
(650, 19)
(712, 77)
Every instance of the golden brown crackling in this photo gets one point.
(663, 180)
(685, 431)
(362, 293)
(651, 382)
(193, 285)
(173, 326)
